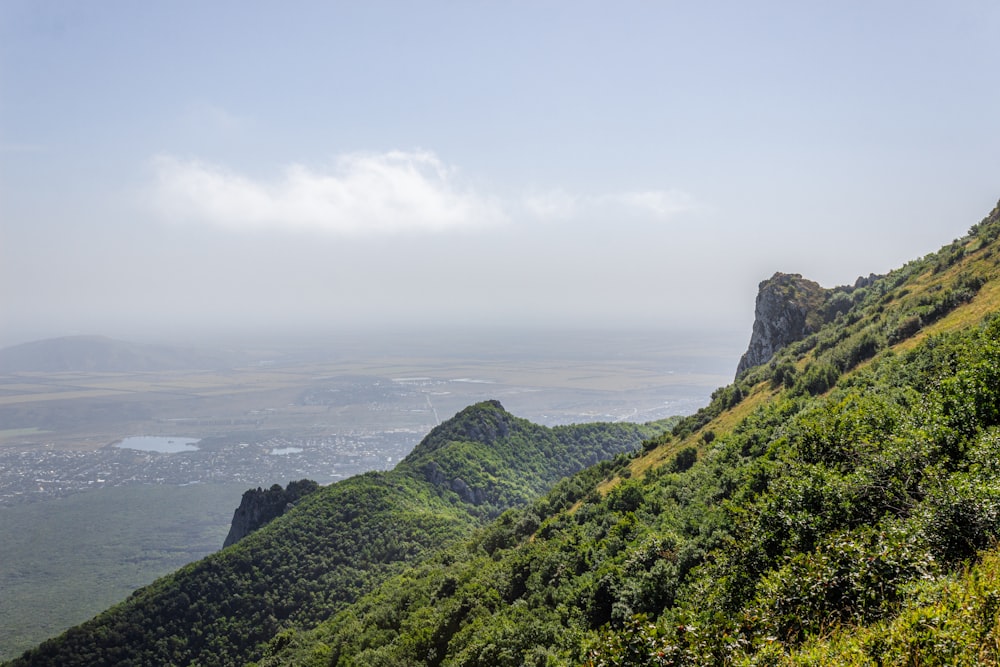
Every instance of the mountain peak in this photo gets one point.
(788, 308)
(485, 422)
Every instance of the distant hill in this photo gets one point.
(101, 354)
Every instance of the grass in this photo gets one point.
(724, 423)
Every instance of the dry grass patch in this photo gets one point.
(724, 423)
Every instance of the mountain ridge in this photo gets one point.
(347, 537)
(839, 503)
(845, 483)
(788, 308)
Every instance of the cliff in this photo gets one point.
(259, 507)
(788, 308)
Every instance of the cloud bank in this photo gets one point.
(361, 194)
(375, 193)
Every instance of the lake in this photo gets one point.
(282, 451)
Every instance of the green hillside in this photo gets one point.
(838, 504)
(339, 542)
(843, 509)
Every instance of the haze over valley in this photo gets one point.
(133, 456)
(323, 412)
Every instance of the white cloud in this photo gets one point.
(363, 193)
(661, 203)
(561, 205)
(376, 193)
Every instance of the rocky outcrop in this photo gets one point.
(259, 507)
(434, 475)
(788, 308)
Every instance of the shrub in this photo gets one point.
(686, 458)
(784, 375)
(853, 577)
(817, 378)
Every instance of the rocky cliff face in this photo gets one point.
(788, 308)
(434, 475)
(258, 507)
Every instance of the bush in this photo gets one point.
(685, 458)
(784, 375)
(959, 518)
(905, 329)
(849, 578)
(816, 379)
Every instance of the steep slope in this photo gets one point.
(338, 542)
(842, 508)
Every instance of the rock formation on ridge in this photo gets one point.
(258, 507)
(788, 309)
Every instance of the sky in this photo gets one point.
(193, 168)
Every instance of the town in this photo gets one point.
(36, 474)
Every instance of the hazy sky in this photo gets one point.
(171, 167)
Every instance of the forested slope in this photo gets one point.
(837, 505)
(339, 542)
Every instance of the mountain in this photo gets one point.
(340, 541)
(106, 355)
(838, 503)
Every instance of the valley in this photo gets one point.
(98, 509)
(360, 412)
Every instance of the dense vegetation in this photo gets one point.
(839, 504)
(813, 513)
(122, 538)
(339, 542)
(842, 508)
